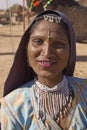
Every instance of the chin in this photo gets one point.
(46, 75)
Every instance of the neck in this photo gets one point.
(50, 82)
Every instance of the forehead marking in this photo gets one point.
(49, 32)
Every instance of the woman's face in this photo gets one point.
(48, 50)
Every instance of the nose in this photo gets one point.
(47, 49)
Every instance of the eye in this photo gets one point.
(58, 44)
(37, 41)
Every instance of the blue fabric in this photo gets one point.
(19, 109)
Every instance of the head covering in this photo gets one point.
(20, 73)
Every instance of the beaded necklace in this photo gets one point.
(54, 101)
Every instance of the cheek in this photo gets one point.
(32, 53)
(64, 54)
(29, 54)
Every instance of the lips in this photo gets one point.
(46, 63)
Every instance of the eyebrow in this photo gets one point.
(54, 38)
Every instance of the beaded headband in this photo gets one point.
(51, 18)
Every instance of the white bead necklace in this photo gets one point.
(55, 88)
(55, 101)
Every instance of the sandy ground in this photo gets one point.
(8, 45)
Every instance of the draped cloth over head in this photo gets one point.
(20, 73)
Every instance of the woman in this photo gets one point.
(51, 99)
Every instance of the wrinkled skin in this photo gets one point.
(48, 52)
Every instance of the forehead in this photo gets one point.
(44, 26)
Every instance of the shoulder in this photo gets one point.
(79, 86)
(77, 81)
(17, 105)
(80, 83)
(18, 98)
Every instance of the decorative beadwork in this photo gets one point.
(48, 3)
(46, 97)
(52, 18)
(34, 4)
(57, 87)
